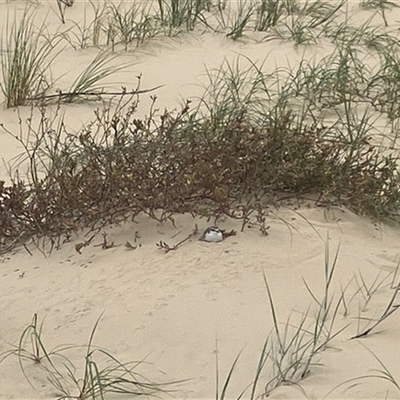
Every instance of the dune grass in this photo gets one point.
(181, 15)
(25, 66)
(270, 12)
(307, 25)
(372, 324)
(90, 80)
(126, 25)
(25, 59)
(294, 349)
(86, 33)
(31, 347)
(301, 23)
(102, 374)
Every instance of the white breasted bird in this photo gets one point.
(212, 234)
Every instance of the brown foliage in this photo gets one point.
(119, 166)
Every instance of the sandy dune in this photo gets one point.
(174, 307)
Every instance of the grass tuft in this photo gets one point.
(103, 373)
(25, 59)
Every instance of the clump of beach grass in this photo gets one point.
(304, 26)
(102, 374)
(236, 22)
(133, 24)
(302, 23)
(176, 16)
(25, 59)
(25, 65)
(270, 12)
(291, 349)
(86, 33)
(31, 346)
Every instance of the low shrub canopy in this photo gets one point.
(188, 161)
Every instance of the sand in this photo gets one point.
(179, 309)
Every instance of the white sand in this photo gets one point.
(173, 307)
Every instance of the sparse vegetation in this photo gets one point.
(25, 60)
(241, 145)
(294, 348)
(103, 372)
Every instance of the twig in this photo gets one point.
(66, 95)
(167, 248)
(105, 245)
(86, 243)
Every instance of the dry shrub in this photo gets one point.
(119, 166)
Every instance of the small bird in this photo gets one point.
(212, 234)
